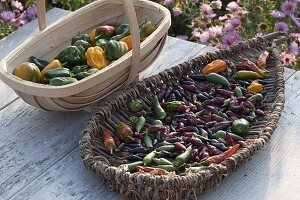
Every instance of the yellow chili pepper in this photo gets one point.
(216, 66)
(128, 41)
(255, 86)
(95, 57)
(92, 35)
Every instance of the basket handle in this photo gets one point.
(134, 31)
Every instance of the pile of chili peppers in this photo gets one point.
(194, 122)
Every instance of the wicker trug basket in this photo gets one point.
(185, 186)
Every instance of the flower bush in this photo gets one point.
(223, 23)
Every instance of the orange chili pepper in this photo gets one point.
(152, 170)
(128, 41)
(215, 66)
(255, 86)
(108, 140)
(221, 157)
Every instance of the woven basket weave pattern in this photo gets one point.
(186, 186)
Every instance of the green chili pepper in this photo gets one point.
(71, 56)
(238, 92)
(245, 75)
(258, 97)
(148, 141)
(84, 37)
(149, 158)
(169, 148)
(79, 68)
(140, 123)
(39, 62)
(218, 79)
(58, 72)
(157, 135)
(58, 81)
(174, 105)
(134, 105)
(158, 110)
(196, 169)
(161, 161)
(184, 157)
(222, 134)
(131, 167)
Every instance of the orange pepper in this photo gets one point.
(255, 86)
(108, 140)
(215, 66)
(128, 41)
(53, 65)
(92, 35)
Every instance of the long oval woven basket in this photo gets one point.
(185, 186)
(51, 40)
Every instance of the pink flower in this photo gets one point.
(176, 11)
(288, 59)
(281, 26)
(229, 28)
(217, 4)
(277, 14)
(203, 37)
(293, 48)
(241, 12)
(295, 36)
(168, 2)
(295, 20)
(222, 18)
(230, 38)
(18, 5)
(207, 11)
(288, 7)
(234, 22)
(232, 6)
(215, 31)
(7, 16)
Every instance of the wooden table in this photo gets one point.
(39, 154)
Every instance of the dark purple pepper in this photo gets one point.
(182, 108)
(248, 95)
(229, 113)
(156, 128)
(225, 93)
(187, 78)
(212, 91)
(177, 94)
(211, 109)
(203, 153)
(207, 102)
(175, 139)
(234, 85)
(194, 155)
(219, 101)
(241, 99)
(189, 88)
(198, 77)
(172, 97)
(201, 97)
(198, 105)
(180, 125)
(172, 135)
(168, 93)
(208, 95)
(188, 82)
(213, 150)
(217, 118)
(179, 147)
(188, 134)
(200, 122)
(208, 86)
(139, 113)
(185, 129)
(219, 146)
(196, 141)
(219, 127)
(169, 119)
(263, 82)
(210, 124)
(259, 113)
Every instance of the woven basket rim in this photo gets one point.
(99, 164)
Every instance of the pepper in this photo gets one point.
(128, 41)
(28, 71)
(84, 37)
(92, 35)
(240, 127)
(238, 92)
(169, 148)
(53, 65)
(222, 134)
(122, 29)
(255, 86)
(229, 139)
(82, 75)
(105, 31)
(70, 56)
(96, 57)
(79, 68)
(219, 158)
(148, 141)
(146, 28)
(215, 66)
(152, 170)
(108, 140)
(58, 81)
(131, 167)
(246, 75)
(115, 50)
(100, 42)
(124, 132)
(174, 105)
(179, 147)
(134, 105)
(39, 62)
(161, 161)
(183, 158)
(262, 60)
(134, 158)
(59, 72)
(140, 123)
(149, 158)
(251, 66)
(218, 79)
(258, 97)
(158, 110)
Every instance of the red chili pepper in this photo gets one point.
(152, 170)
(225, 93)
(229, 139)
(219, 158)
(251, 66)
(108, 140)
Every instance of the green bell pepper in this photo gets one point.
(58, 72)
(39, 62)
(58, 81)
(84, 37)
(82, 43)
(115, 50)
(100, 42)
(122, 29)
(82, 75)
(70, 56)
(79, 68)
(146, 29)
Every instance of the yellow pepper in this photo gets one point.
(95, 57)
(53, 65)
(255, 86)
(92, 35)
